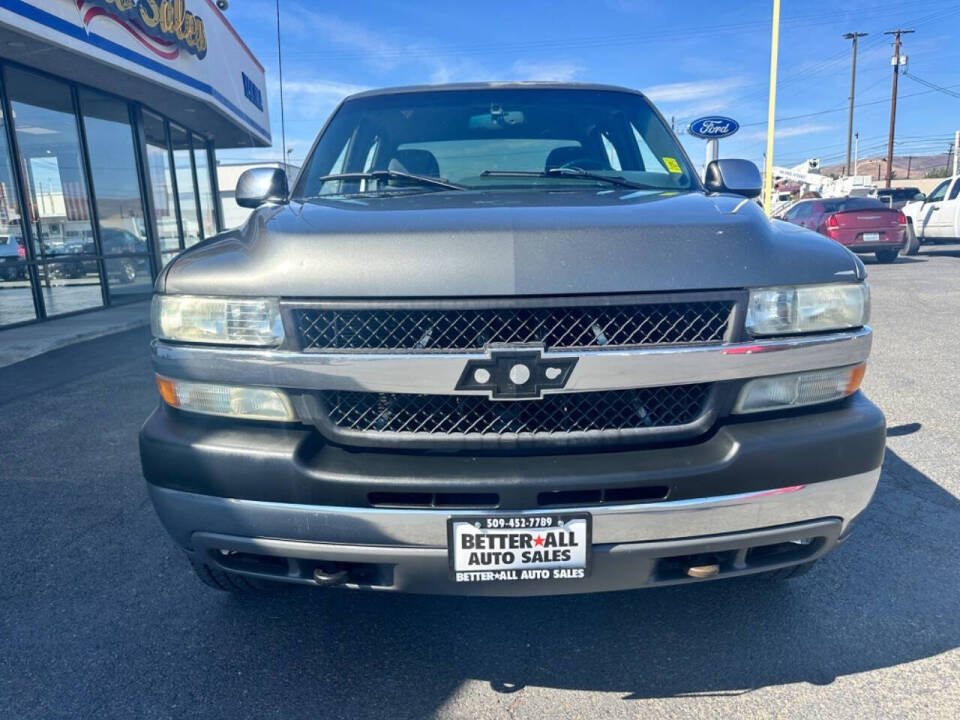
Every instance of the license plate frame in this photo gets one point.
(520, 525)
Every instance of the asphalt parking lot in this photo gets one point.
(101, 617)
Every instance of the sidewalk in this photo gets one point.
(29, 341)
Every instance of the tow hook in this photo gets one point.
(324, 578)
(706, 568)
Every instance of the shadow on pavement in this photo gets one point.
(941, 250)
(888, 596)
(103, 617)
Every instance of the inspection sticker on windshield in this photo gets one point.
(505, 548)
(672, 165)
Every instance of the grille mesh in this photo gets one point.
(562, 413)
(569, 328)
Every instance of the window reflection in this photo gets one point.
(161, 184)
(59, 211)
(205, 189)
(188, 198)
(16, 300)
(113, 165)
(69, 286)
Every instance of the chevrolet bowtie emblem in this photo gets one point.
(510, 373)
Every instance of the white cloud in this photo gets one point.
(782, 133)
(555, 70)
(329, 89)
(695, 90)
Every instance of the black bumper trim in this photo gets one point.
(294, 464)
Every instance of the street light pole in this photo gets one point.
(853, 82)
(771, 108)
(893, 98)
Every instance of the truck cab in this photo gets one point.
(937, 217)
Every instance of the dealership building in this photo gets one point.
(110, 111)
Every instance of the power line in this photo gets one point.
(933, 86)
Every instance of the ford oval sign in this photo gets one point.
(713, 128)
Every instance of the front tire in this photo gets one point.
(787, 573)
(887, 256)
(232, 583)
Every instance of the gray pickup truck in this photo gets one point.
(502, 339)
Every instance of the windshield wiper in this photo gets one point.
(569, 172)
(389, 174)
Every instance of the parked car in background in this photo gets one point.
(118, 241)
(863, 225)
(937, 216)
(11, 252)
(896, 198)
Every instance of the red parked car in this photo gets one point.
(864, 225)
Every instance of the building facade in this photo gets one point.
(110, 112)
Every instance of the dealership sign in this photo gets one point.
(714, 127)
(163, 26)
(185, 49)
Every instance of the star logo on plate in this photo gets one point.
(539, 541)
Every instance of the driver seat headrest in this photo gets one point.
(416, 162)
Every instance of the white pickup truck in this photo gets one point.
(937, 217)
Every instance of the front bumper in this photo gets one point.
(270, 503)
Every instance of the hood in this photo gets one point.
(485, 243)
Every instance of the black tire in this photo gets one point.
(787, 573)
(913, 242)
(233, 583)
(887, 256)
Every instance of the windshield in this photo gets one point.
(478, 138)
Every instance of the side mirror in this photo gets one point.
(740, 177)
(259, 185)
(920, 197)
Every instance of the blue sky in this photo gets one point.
(691, 58)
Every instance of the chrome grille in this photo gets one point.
(557, 327)
(439, 415)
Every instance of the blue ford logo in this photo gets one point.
(714, 128)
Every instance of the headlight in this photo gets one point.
(223, 321)
(782, 392)
(807, 308)
(248, 403)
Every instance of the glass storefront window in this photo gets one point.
(16, 299)
(161, 184)
(182, 161)
(204, 187)
(116, 188)
(59, 212)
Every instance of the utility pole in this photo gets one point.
(856, 153)
(949, 153)
(909, 162)
(893, 98)
(853, 82)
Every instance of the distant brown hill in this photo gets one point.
(918, 166)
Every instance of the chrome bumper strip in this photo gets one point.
(183, 514)
(439, 373)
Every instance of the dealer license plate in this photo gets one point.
(871, 237)
(508, 548)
